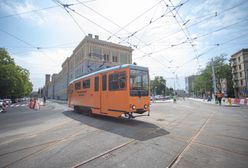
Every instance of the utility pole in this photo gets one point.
(174, 83)
(214, 78)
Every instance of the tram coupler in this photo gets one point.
(129, 115)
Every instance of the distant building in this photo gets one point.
(90, 55)
(189, 84)
(239, 64)
(180, 92)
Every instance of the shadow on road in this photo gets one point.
(135, 129)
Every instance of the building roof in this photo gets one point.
(132, 66)
(242, 50)
(101, 42)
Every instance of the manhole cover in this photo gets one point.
(160, 119)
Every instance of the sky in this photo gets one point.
(174, 39)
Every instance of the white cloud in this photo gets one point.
(159, 34)
(40, 63)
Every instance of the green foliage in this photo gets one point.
(202, 84)
(158, 85)
(14, 80)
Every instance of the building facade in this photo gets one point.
(90, 55)
(239, 64)
(189, 84)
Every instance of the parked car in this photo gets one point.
(1, 102)
(8, 101)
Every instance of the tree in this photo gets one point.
(158, 86)
(203, 83)
(14, 79)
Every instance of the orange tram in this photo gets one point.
(117, 91)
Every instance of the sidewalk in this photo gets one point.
(162, 101)
(223, 102)
(57, 101)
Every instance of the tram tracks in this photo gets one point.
(34, 133)
(114, 149)
(180, 154)
(49, 145)
(46, 146)
(175, 159)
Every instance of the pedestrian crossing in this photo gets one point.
(18, 105)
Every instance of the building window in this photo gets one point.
(123, 58)
(104, 82)
(78, 86)
(114, 56)
(117, 81)
(240, 74)
(96, 83)
(96, 52)
(82, 53)
(241, 83)
(239, 67)
(106, 57)
(114, 59)
(86, 83)
(239, 59)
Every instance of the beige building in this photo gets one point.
(90, 55)
(239, 64)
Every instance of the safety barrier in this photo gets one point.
(238, 101)
(34, 104)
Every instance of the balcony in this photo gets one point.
(233, 63)
(235, 78)
(95, 55)
(234, 71)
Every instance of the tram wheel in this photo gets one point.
(90, 113)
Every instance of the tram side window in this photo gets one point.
(78, 86)
(104, 82)
(86, 84)
(117, 81)
(122, 80)
(96, 83)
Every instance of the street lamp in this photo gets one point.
(155, 90)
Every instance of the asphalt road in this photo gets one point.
(186, 134)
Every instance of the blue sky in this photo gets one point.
(164, 38)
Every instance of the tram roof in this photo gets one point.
(132, 66)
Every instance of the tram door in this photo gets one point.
(104, 95)
(96, 100)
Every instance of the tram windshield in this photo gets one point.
(139, 85)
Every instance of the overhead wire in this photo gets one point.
(222, 28)
(31, 11)
(23, 41)
(186, 32)
(151, 22)
(111, 21)
(65, 7)
(36, 10)
(216, 14)
(196, 57)
(173, 45)
(143, 13)
(86, 18)
(195, 38)
(27, 43)
(213, 47)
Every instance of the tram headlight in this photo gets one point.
(145, 106)
(133, 107)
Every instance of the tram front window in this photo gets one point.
(139, 83)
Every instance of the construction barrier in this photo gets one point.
(34, 104)
(237, 101)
